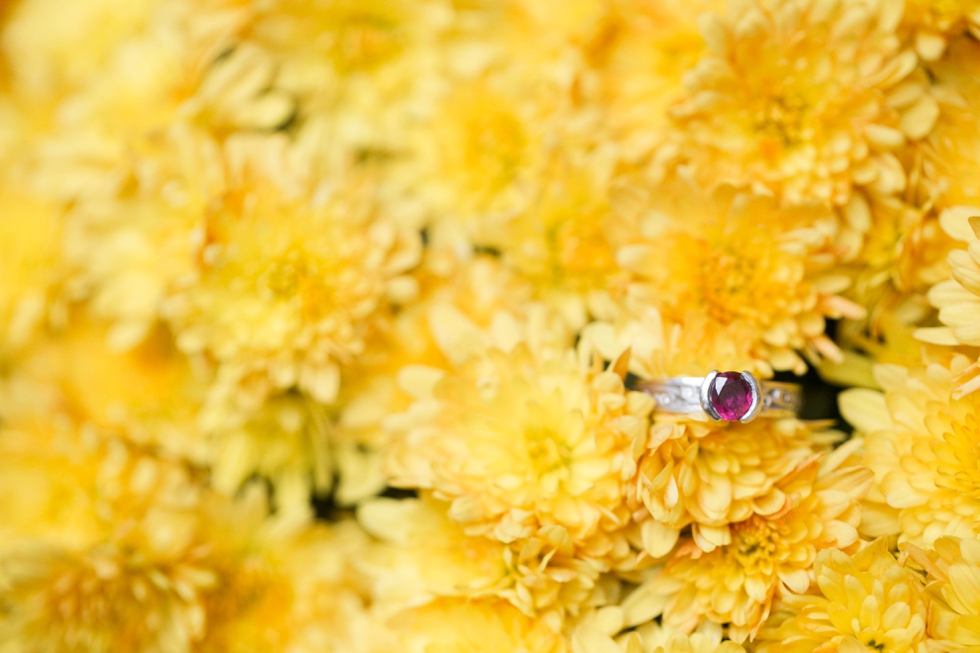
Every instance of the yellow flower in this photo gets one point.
(352, 36)
(656, 43)
(803, 99)
(481, 152)
(558, 243)
(280, 586)
(102, 601)
(653, 638)
(757, 277)
(526, 443)
(709, 476)
(128, 251)
(276, 301)
(30, 248)
(423, 554)
(934, 23)
(285, 440)
(958, 298)
(921, 444)
(949, 166)
(149, 395)
(99, 545)
(110, 546)
(54, 47)
(462, 304)
(768, 555)
(360, 67)
(953, 566)
(866, 602)
(451, 625)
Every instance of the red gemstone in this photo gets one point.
(730, 395)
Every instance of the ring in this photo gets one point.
(725, 396)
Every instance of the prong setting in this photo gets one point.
(756, 405)
(706, 403)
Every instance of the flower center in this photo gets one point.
(730, 395)
(753, 542)
(546, 451)
(958, 457)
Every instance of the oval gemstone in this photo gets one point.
(730, 395)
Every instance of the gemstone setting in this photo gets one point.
(730, 396)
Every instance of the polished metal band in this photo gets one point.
(689, 395)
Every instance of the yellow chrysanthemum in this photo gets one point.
(285, 440)
(423, 554)
(189, 67)
(653, 638)
(54, 47)
(802, 98)
(933, 23)
(708, 476)
(94, 524)
(953, 566)
(921, 443)
(481, 152)
(360, 67)
(149, 394)
(866, 602)
(30, 247)
(352, 36)
(496, 144)
(526, 444)
(128, 252)
(768, 555)
(655, 44)
(110, 546)
(282, 588)
(558, 243)
(949, 164)
(102, 601)
(958, 298)
(460, 305)
(457, 626)
(289, 282)
(751, 272)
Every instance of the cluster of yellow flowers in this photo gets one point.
(321, 323)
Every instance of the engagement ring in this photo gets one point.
(725, 396)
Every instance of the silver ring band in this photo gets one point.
(725, 396)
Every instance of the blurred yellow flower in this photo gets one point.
(920, 441)
(653, 638)
(949, 166)
(934, 23)
(866, 601)
(741, 266)
(129, 250)
(290, 280)
(450, 625)
(767, 555)
(803, 99)
(558, 242)
(423, 554)
(53, 47)
(482, 154)
(30, 269)
(657, 42)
